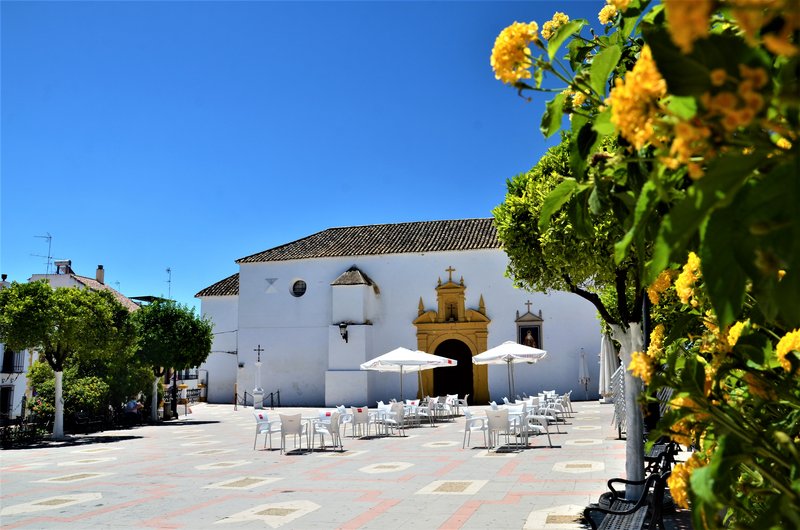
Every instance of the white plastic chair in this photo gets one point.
(266, 427)
(361, 417)
(538, 424)
(394, 419)
(462, 403)
(497, 423)
(473, 424)
(293, 425)
(345, 418)
(331, 428)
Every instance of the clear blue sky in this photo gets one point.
(147, 135)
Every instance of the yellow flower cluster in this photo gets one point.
(735, 332)
(550, 27)
(642, 366)
(656, 346)
(788, 343)
(684, 285)
(607, 14)
(659, 285)
(634, 101)
(578, 97)
(678, 481)
(691, 140)
(621, 5)
(754, 18)
(511, 56)
(688, 21)
(740, 108)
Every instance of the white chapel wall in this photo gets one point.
(298, 337)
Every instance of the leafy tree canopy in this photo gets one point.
(172, 336)
(61, 322)
(574, 249)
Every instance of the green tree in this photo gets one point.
(59, 323)
(555, 242)
(700, 101)
(171, 336)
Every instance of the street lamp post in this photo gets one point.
(258, 392)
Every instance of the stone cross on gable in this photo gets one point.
(528, 303)
(450, 270)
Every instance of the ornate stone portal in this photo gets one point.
(452, 320)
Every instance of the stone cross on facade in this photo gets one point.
(529, 304)
(450, 270)
(258, 350)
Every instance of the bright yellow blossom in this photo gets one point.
(654, 349)
(642, 366)
(634, 101)
(621, 5)
(607, 14)
(688, 21)
(511, 56)
(678, 480)
(788, 344)
(718, 76)
(684, 285)
(735, 332)
(550, 27)
(659, 285)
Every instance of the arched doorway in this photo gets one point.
(456, 379)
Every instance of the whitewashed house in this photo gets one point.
(314, 309)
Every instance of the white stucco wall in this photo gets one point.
(301, 344)
(222, 366)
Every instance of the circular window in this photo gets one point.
(298, 288)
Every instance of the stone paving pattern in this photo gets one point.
(201, 472)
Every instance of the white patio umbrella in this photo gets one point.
(403, 360)
(583, 373)
(608, 365)
(509, 353)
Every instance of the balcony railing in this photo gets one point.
(13, 362)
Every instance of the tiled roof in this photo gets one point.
(227, 287)
(400, 238)
(91, 283)
(353, 276)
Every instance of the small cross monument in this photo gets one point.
(258, 392)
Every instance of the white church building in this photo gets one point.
(309, 312)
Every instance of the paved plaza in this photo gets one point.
(201, 472)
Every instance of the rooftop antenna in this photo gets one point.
(49, 256)
(169, 283)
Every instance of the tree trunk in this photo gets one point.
(58, 423)
(631, 340)
(154, 404)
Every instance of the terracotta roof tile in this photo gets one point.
(91, 283)
(227, 287)
(400, 238)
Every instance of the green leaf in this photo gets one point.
(648, 198)
(602, 66)
(683, 107)
(556, 199)
(579, 215)
(562, 34)
(602, 123)
(715, 190)
(684, 74)
(553, 114)
(724, 277)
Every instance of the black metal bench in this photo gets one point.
(85, 423)
(619, 513)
